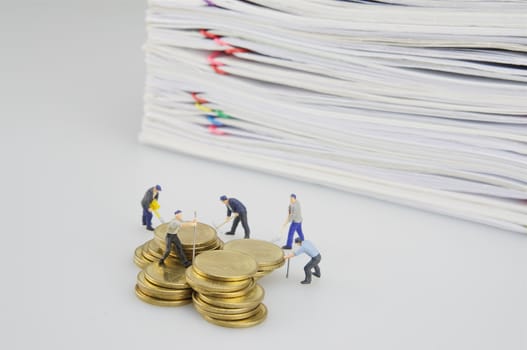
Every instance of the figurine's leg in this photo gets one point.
(290, 235)
(168, 247)
(307, 270)
(245, 225)
(180, 252)
(144, 216)
(235, 223)
(149, 216)
(299, 230)
(317, 269)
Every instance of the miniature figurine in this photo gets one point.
(295, 217)
(308, 248)
(236, 207)
(150, 195)
(172, 238)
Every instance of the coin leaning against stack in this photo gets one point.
(206, 239)
(268, 256)
(225, 292)
(163, 285)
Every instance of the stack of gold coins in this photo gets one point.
(225, 290)
(139, 259)
(163, 285)
(268, 256)
(205, 239)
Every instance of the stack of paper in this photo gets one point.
(421, 102)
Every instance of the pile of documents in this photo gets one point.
(418, 102)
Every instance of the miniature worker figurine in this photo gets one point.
(295, 217)
(171, 238)
(239, 211)
(308, 248)
(150, 195)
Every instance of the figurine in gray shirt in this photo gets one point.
(295, 217)
(171, 238)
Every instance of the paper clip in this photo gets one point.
(212, 119)
(220, 42)
(216, 131)
(233, 50)
(212, 115)
(198, 99)
(230, 50)
(221, 114)
(211, 59)
(207, 35)
(203, 108)
(214, 64)
(219, 70)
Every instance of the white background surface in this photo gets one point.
(73, 173)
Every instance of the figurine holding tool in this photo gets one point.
(238, 210)
(172, 238)
(308, 248)
(152, 194)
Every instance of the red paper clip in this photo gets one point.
(212, 61)
(206, 34)
(233, 50)
(198, 99)
(230, 50)
(216, 131)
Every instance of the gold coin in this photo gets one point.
(251, 299)
(260, 274)
(171, 260)
(138, 253)
(157, 244)
(206, 285)
(152, 290)
(160, 231)
(139, 259)
(160, 302)
(271, 268)
(233, 294)
(202, 305)
(229, 317)
(170, 275)
(211, 246)
(158, 253)
(147, 254)
(205, 234)
(265, 253)
(247, 322)
(141, 262)
(188, 252)
(225, 265)
(157, 248)
(153, 294)
(154, 250)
